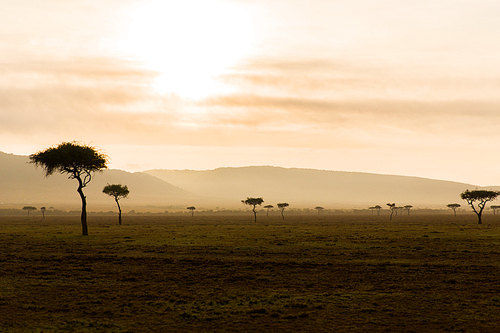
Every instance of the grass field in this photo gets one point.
(430, 273)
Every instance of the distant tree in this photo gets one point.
(253, 202)
(118, 192)
(79, 161)
(378, 208)
(482, 197)
(453, 206)
(42, 209)
(392, 207)
(29, 208)
(282, 206)
(408, 207)
(268, 207)
(495, 209)
(191, 208)
(319, 209)
(372, 209)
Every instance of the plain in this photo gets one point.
(342, 273)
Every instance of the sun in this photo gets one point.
(189, 43)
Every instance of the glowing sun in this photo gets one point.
(188, 43)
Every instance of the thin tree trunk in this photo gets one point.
(119, 212)
(254, 214)
(85, 231)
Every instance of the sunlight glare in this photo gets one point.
(189, 43)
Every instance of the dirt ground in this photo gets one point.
(429, 273)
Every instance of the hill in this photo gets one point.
(309, 187)
(22, 184)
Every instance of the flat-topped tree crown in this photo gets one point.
(481, 197)
(77, 160)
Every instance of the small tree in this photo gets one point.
(495, 209)
(117, 191)
(482, 197)
(29, 208)
(392, 207)
(453, 206)
(282, 206)
(253, 202)
(42, 209)
(191, 208)
(378, 208)
(268, 207)
(408, 207)
(319, 209)
(372, 209)
(79, 161)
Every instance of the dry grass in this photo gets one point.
(209, 274)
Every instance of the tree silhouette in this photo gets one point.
(117, 191)
(482, 197)
(42, 209)
(191, 208)
(408, 207)
(78, 161)
(268, 207)
(454, 206)
(29, 208)
(372, 209)
(378, 208)
(282, 206)
(392, 207)
(319, 209)
(253, 202)
(495, 209)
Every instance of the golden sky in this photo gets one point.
(390, 86)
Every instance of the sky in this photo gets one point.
(390, 86)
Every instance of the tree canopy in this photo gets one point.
(282, 206)
(117, 191)
(78, 161)
(481, 197)
(253, 202)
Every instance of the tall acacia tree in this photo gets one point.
(481, 197)
(268, 207)
(78, 161)
(253, 202)
(454, 206)
(282, 206)
(392, 207)
(118, 192)
(319, 209)
(191, 208)
(408, 207)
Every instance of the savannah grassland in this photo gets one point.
(327, 273)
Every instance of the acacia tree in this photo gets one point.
(78, 161)
(29, 208)
(392, 207)
(378, 208)
(117, 191)
(282, 206)
(268, 207)
(191, 208)
(319, 209)
(454, 206)
(481, 197)
(42, 209)
(408, 207)
(253, 202)
(495, 209)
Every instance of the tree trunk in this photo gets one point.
(85, 231)
(479, 221)
(254, 214)
(282, 215)
(119, 212)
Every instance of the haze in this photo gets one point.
(391, 87)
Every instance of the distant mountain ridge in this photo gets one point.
(311, 187)
(22, 184)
